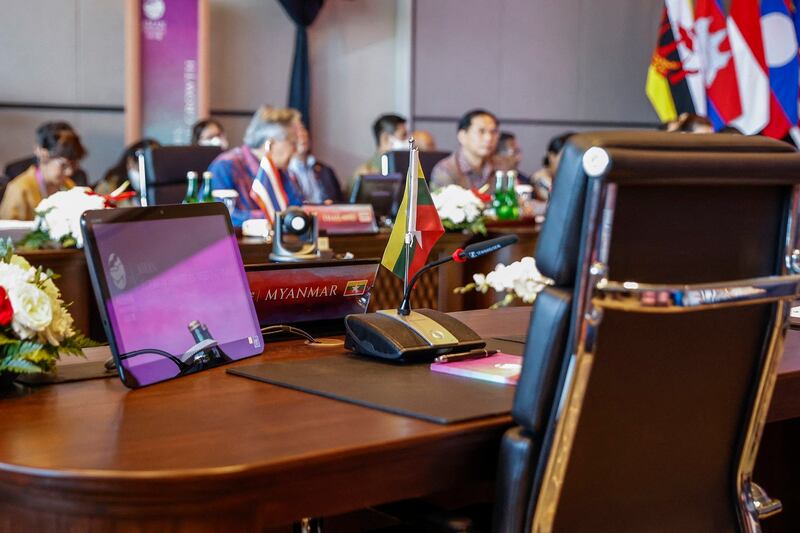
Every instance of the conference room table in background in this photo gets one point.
(216, 452)
(434, 290)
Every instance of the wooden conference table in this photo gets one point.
(215, 452)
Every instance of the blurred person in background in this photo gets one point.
(509, 155)
(125, 169)
(689, 123)
(209, 132)
(391, 133)
(317, 181)
(542, 179)
(472, 165)
(58, 152)
(271, 136)
(18, 166)
(425, 141)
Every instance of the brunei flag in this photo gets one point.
(416, 216)
(667, 80)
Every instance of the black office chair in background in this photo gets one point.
(163, 171)
(650, 364)
(396, 161)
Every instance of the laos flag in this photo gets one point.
(780, 49)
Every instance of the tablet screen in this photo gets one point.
(163, 275)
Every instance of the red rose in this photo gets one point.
(6, 311)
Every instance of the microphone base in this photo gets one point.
(419, 336)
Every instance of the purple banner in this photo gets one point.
(169, 69)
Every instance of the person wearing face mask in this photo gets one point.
(391, 133)
(126, 169)
(316, 180)
(471, 166)
(209, 132)
(58, 152)
(269, 139)
(542, 179)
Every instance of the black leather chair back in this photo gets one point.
(166, 168)
(396, 161)
(651, 426)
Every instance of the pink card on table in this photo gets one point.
(498, 368)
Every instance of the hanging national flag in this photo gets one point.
(747, 45)
(795, 10)
(267, 190)
(672, 86)
(718, 68)
(681, 18)
(780, 50)
(426, 226)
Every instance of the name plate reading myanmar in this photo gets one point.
(344, 218)
(302, 293)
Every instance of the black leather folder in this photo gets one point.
(408, 390)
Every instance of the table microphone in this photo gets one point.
(403, 335)
(473, 251)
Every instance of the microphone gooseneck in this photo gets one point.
(472, 251)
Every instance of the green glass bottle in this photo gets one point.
(206, 190)
(511, 195)
(498, 202)
(192, 188)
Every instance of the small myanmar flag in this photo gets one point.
(427, 230)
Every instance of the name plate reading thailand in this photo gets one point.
(344, 218)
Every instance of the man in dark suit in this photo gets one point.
(317, 181)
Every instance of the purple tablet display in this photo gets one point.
(164, 274)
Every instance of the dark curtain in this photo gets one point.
(302, 13)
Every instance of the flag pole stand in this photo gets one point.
(410, 336)
(411, 210)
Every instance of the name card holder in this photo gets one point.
(341, 219)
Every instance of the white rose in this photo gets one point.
(14, 276)
(457, 216)
(32, 310)
(63, 212)
(457, 204)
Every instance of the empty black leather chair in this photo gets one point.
(163, 171)
(650, 364)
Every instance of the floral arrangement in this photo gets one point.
(521, 279)
(35, 325)
(460, 209)
(58, 217)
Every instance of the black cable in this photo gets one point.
(282, 328)
(181, 365)
(269, 330)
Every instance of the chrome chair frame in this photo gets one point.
(597, 293)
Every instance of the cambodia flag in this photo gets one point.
(747, 45)
(781, 50)
(718, 68)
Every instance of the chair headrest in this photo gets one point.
(558, 248)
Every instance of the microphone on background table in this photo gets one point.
(403, 335)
